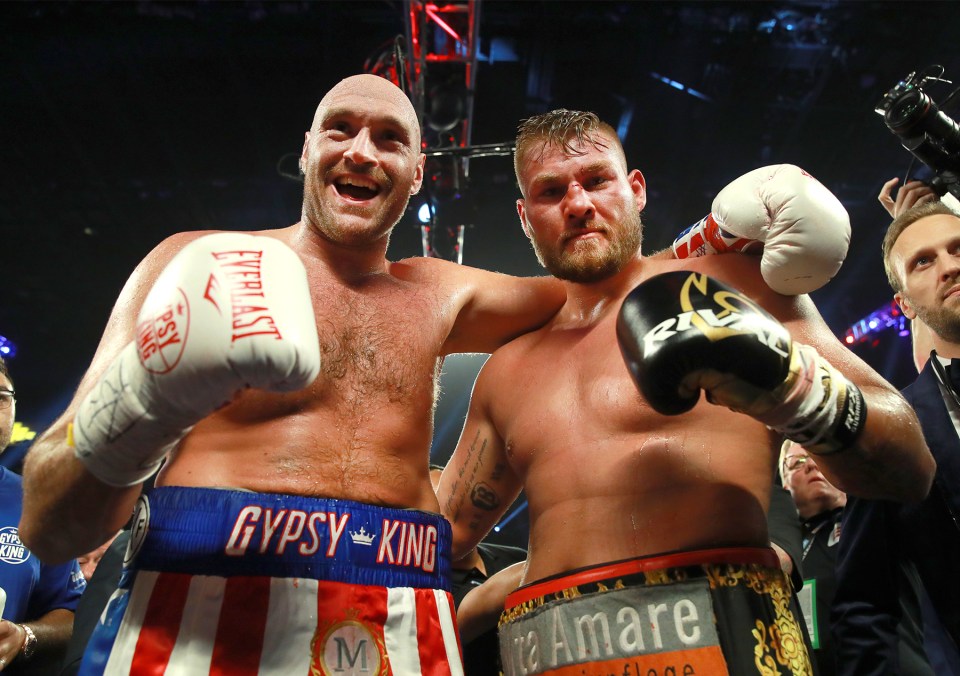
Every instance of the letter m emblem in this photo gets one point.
(343, 653)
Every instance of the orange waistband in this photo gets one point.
(763, 556)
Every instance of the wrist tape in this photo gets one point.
(114, 435)
(822, 410)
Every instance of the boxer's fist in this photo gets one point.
(681, 332)
(801, 228)
(229, 311)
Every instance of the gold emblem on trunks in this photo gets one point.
(348, 648)
(779, 647)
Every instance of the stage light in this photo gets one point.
(21, 433)
(510, 517)
(424, 212)
(881, 319)
(7, 348)
(447, 106)
(680, 86)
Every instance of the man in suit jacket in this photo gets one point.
(922, 260)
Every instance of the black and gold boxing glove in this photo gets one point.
(681, 332)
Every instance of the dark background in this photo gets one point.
(123, 123)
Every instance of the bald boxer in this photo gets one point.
(286, 379)
(648, 546)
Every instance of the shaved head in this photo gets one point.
(375, 89)
(361, 161)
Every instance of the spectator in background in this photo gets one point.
(40, 600)
(101, 583)
(913, 193)
(821, 507)
(89, 561)
(920, 253)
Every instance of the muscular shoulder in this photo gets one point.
(161, 254)
(423, 268)
(509, 360)
(742, 272)
(427, 269)
(490, 308)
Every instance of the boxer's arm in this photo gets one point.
(66, 511)
(890, 459)
(192, 352)
(496, 308)
(478, 484)
(481, 608)
(864, 432)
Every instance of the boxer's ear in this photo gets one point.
(305, 153)
(524, 223)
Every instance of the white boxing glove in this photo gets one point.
(229, 311)
(800, 226)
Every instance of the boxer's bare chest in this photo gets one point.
(567, 389)
(380, 342)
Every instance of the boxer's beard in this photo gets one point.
(598, 262)
(381, 219)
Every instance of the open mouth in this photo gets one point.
(356, 188)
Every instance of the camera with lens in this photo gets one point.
(924, 129)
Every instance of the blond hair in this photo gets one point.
(568, 130)
(901, 223)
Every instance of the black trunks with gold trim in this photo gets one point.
(718, 611)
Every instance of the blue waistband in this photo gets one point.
(208, 531)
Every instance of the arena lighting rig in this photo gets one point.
(440, 76)
(883, 318)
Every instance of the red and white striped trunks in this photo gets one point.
(305, 586)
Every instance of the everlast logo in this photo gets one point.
(250, 314)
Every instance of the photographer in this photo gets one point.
(929, 134)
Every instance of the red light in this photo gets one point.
(432, 13)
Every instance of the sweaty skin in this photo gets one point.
(555, 412)
(606, 477)
(362, 430)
